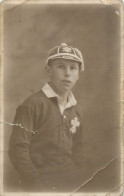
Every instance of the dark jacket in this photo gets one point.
(43, 149)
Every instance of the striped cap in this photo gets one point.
(66, 52)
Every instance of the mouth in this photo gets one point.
(66, 81)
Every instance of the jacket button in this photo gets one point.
(64, 116)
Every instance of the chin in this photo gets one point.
(63, 89)
(66, 89)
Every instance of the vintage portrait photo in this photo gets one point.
(62, 91)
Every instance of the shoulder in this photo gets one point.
(79, 109)
(34, 98)
(79, 112)
(34, 102)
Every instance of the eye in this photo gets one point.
(74, 67)
(60, 66)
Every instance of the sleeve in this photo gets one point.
(19, 146)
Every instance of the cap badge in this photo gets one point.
(75, 123)
(66, 49)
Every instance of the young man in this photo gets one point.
(46, 142)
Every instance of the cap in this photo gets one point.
(66, 52)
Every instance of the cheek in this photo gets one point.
(54, 76)
(58, 74)
(76, 76)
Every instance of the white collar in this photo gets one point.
(49, 92)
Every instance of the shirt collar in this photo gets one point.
(49, 92)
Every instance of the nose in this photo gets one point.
(67, 72)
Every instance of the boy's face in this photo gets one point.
(63, 74)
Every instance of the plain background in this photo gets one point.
(30, 31)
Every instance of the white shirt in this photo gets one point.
(49, 92)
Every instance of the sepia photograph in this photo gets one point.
(62, 91)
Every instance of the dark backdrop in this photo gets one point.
(30, 31)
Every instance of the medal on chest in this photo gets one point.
(75, 123)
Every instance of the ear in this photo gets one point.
(48, 70)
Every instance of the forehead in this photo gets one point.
(65, 61)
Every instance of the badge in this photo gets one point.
(75, 123)
(66, 49)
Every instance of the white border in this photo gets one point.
(122, 96)
(104, 2)
(1, 100)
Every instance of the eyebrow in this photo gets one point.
(72, 63)
(75, 65)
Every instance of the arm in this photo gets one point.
(20, 144)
